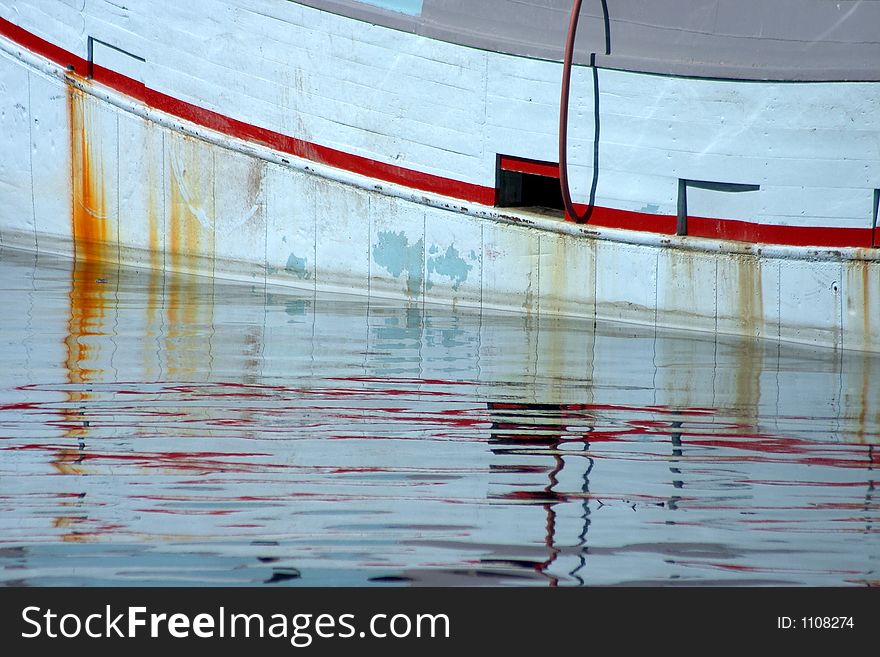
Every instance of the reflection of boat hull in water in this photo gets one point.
(336, 144)
(200, 431)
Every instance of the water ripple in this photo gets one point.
(170, 430)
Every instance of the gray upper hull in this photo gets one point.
(737, 39)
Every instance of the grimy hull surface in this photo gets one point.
(277, 142)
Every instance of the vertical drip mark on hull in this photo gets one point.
(88, 292)
(190, 238)
(747, 377)
(88, 289)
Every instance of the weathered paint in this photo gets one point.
(91, 234)
(240, 201)
(464, 235)
(626, 282)
(297, 266)
(90, 285)
(16, 174)
(750, 300)
(214, 202)
(190, 236)
(748, 296)
(861, 312)
(747, 393)
(686, 290)
(816, 169)
(702, 448)
(450, 264)
(394, 252)
(190, 208)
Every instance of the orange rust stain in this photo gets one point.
(750, 300)
(77, 529)
(858, 278)
(88, 293)
(89, 198)
(866, 327)
(177, 255)
(750, 295)
(191, 241)
(864, 272)
(88, 290)
(68, 461)
(190, 248)
(78, 538)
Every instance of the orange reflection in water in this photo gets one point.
(190, 242)
(89, 295)
(89, 290)
(179, 307)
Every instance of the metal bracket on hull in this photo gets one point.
(91, 54)
(683, 184)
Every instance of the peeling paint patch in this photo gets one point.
(449, 264)
(297, 266)
(651, 208)
(394, 252)
(296, 308)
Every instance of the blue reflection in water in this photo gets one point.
(159, 429)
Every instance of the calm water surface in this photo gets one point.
(162, 429)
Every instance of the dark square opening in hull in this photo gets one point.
(528, 183)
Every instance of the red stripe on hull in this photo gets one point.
(744, 231)
(725, 229)
(233, 127)
(525, 165)
(629, 220)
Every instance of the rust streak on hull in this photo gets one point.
(88, 290)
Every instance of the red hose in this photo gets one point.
(563, 118)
